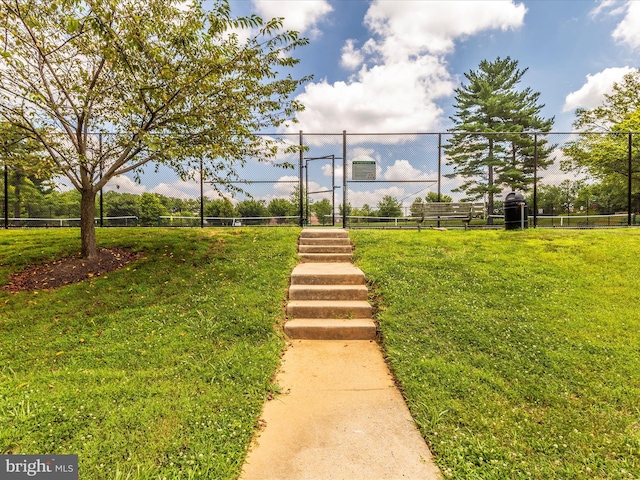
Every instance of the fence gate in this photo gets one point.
(315, 175)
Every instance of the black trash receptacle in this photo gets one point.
(515, 212)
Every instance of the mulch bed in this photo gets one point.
(69, 270)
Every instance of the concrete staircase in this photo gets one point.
(328, 295)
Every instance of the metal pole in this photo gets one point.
(344, 179)
(101, 167)
(333, 190)
(306, 191)
(535, 180)
(439, 172)
(201, 195)
(629, 183)
(301, 202)
(6, 196)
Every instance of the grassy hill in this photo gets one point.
(518, 352)
(158, 370)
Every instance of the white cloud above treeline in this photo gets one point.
(592, 93)
(301, 16)
(627, 32)
(400, 72)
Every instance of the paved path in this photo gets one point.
(340, 415)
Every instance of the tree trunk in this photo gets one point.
(87, 224)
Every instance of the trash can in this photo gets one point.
(515, 212)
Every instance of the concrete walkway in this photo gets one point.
(340, 415)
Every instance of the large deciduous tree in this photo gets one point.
(107, 86)
(492, 145)
(603, 147)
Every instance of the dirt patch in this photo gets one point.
(69, 270)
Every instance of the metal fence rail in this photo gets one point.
(570, 180)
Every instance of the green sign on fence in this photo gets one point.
(363, 170)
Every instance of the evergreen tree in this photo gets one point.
(489, 148)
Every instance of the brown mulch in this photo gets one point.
(69, 270)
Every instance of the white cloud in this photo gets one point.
(301, 16)
(627, 32)
(124, 184)
(591, 94)
(337, 170)
(351, 58)
(371, 198)
(286, 185)
(433, 26)
(393, 97)
(402, 73)
(177, 189)
(403, 170)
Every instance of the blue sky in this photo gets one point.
(392, 65)
(385, 66)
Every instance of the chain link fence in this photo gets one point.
(569, 180)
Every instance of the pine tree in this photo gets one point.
(492, 145)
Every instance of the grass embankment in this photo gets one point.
(518, 352)
(158, 370)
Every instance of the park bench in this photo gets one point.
(464, 211)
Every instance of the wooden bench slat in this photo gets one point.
(464, 211)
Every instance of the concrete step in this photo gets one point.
(328, 292)
(327, 274)
(325, 257)
(325, 249)
(324, 233)
(329, 309)
(324, 241)
(330, 329)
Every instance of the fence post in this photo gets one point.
(201, 195)
(629, 183)
(439, 166)
(344, 179)
(439, 171)
(101, 167)
(6, 195)
(535, 180)
(300, 186)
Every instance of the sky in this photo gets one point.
(387, 66)
(393, 65)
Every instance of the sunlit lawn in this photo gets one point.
(518, 352)
(159, 370)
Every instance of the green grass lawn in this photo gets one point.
(159, 370)
(518, 352)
